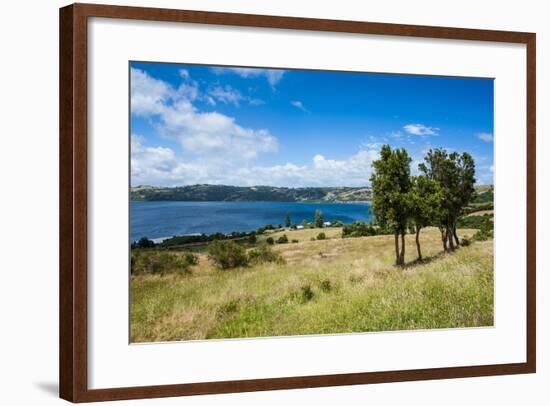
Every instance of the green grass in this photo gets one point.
(325, 286)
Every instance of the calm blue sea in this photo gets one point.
(166, 219)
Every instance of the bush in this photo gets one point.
(294, 241)
(307, 292)
(282, 239)
(321, 236)
(161, 262)
(483, 235)
(465, 242)
(270, 240)
(252, 238)
(191, 258)
(326, 285)
(264, 253)
(227, 254)
(360, 229)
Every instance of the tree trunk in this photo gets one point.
(397, 257)
(418, 243)
(450, 238)
(402, 248)
(457, 241)
(443, 238)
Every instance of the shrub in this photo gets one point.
(191, 258)
(252, 238)
(483, 235)
(161, 262)
(294, 241)
(321, 236)
(270, 240)
(264, 253)
(283, 239)
(307, 292)
(326, 285)
(227, 254)
(465, 242)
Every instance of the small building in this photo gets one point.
(327, 224)
(299, 227)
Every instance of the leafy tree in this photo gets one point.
(288, 222)
(425, 200)
(144, 242)
(455, 174)
(319, 221)
(466, 189)
(390, 188)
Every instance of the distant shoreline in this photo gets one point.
(259, 201)
(207, 192)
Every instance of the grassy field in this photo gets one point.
(331, 286)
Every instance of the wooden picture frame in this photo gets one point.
(73, 280)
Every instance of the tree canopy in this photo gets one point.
(436, 197)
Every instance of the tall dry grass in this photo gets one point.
(323, 286)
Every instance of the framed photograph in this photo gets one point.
(256, 203)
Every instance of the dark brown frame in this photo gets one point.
(73, 362)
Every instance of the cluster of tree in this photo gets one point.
(143, 242)
(203, 238)
(175, 241)
(362, 229)
(437, 197)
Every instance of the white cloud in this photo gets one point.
(148, 95)
(299, 105)
(216, 149)
(159, 166)
(229, 95)
(487, 137)
(184, 73)
(204, 135)
(226, 95)
(420, 129)
(273, 76)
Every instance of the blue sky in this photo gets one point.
(238, 126)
